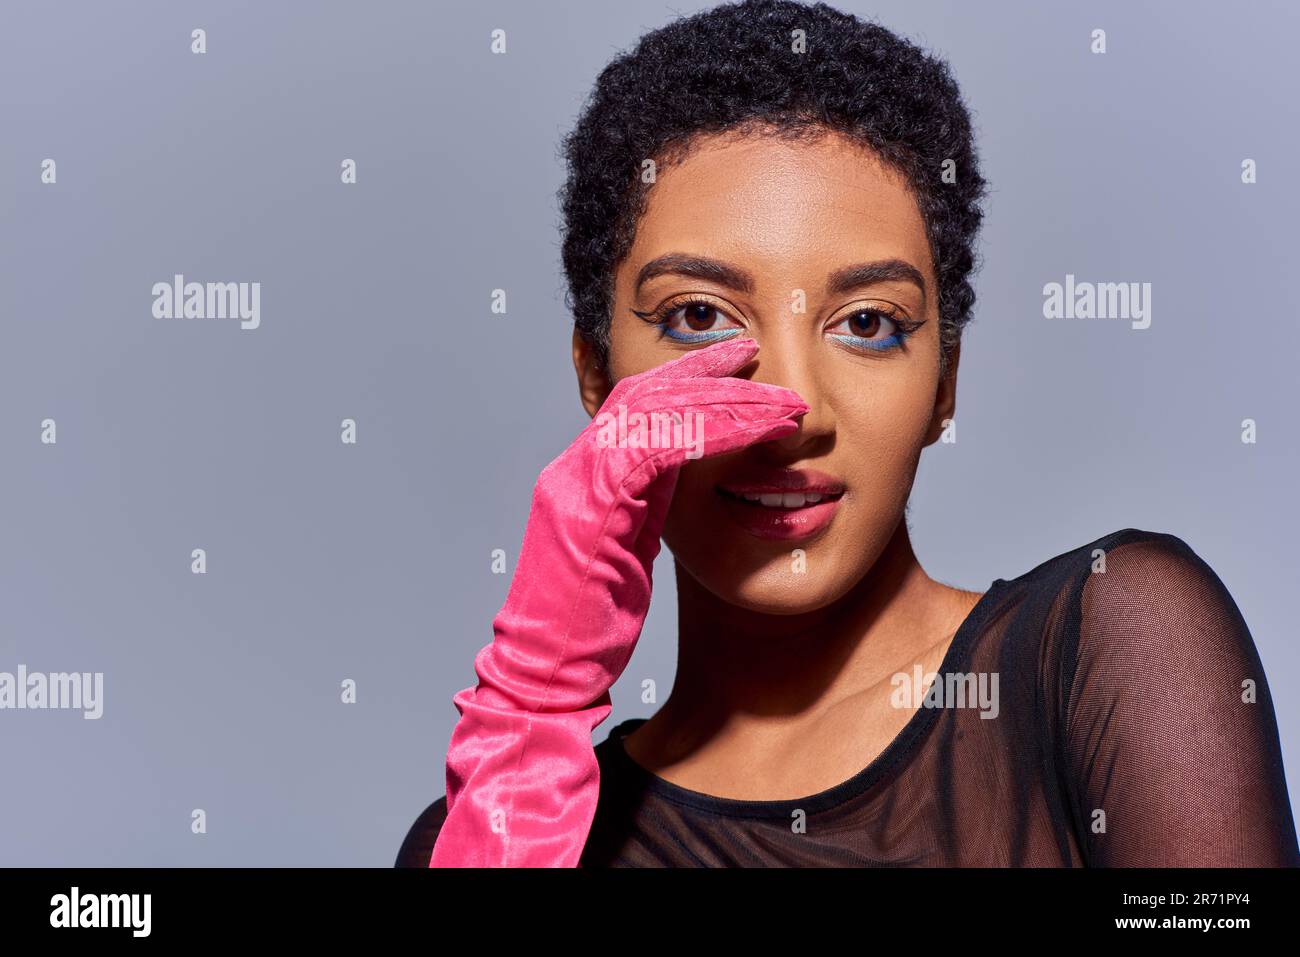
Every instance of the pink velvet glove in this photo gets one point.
(522, 775)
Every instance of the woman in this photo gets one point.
(770, 217)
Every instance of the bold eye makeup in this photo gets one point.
(876, 329)
(696, 324)
(693, 320)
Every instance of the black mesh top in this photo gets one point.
(1133, 727)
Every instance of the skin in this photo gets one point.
(783, 680)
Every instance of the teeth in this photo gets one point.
(784, 499)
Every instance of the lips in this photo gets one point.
(781, 504)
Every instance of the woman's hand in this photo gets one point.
(522, 775)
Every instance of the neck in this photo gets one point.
(734, 664)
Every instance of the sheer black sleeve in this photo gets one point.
(417, 848)
(1170, 739)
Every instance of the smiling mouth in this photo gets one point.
(791, 501)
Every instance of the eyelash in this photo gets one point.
(903, 327)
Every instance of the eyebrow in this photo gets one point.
(838, 282)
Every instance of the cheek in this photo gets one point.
(880, 426)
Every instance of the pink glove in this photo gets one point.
(522, 775)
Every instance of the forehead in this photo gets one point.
(783, 207)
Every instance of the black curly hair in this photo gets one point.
(734, 68)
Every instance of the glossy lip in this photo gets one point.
(774, 522)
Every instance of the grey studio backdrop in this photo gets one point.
(329, 562)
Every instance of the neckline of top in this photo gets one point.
(897, 749)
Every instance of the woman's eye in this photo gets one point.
(697, 322)
(868, 324)
(872, 329)
(696, 317)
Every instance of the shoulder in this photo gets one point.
(1144, 603)
(1126, 565)
(1083, 559)
(417, 848)
(1132, 590)
(1142, 583)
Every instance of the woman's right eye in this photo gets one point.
(694, 320)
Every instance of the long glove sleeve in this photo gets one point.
(522, 775)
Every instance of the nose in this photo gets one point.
(785, 360)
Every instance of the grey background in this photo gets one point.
(371, 561)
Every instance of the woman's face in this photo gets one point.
(827, 266)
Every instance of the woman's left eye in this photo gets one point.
(875, 330)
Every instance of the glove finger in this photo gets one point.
(700, 394)
(742, 434)
(719, 359)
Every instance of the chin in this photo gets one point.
(771, 587)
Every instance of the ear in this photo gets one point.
(945, 399)
(593, 382)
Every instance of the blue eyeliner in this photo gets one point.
(874, 345)
(711, 336)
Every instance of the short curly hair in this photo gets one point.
(735, 68)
